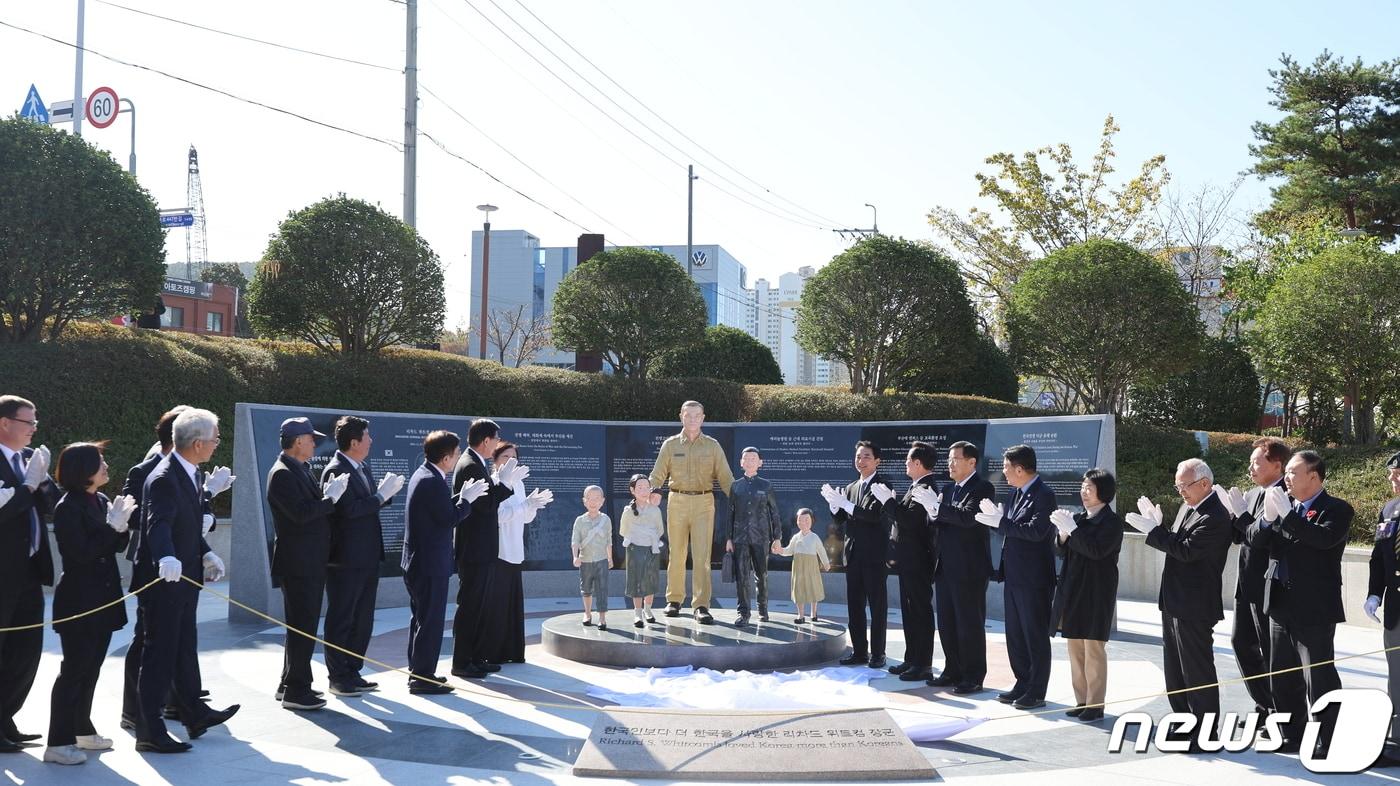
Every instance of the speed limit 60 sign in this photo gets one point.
(101, 109)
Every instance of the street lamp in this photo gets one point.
(486, 211)
(875, 221)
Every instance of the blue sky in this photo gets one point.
(828, 104)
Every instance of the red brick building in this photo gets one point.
(198, 307)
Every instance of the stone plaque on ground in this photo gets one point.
(681, 744)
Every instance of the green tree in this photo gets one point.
(1332, 323)
(1038, 212)
(631, 305)
(980, 368)
(345, 275)
(228, 274)
(79, 238)
(1219, 394)
(885, 307)
(1098, 318)
(724, 353)
(1338, 144)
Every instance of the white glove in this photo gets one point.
(626, 543)
(512, 472)
(213, 567)
(1150, 511)
(1224, 497)
(1064, 522)
(473, 491)
(5, 494)
(882, 492)
(1237, 503)
(119, 512)
(1140, 522)
(927, 497)
(37, 470)
(206, 524)
(336, 486)
(1372, 603)
(1276, 504)
(218, 481)
(539, 498)
(169, 569)
(988, 514)
(390, 485)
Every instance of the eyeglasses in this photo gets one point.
(1182, 488)
(216, 439)
(30, 423)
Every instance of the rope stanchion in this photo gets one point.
(87, 613)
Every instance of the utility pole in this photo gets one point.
(486, 211)
(78, 107)
(863, 233)
(410, 118)
(690, 179)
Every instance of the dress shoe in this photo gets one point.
(1074, 712)
(15, 735)
(128, 723)
(337, 689)
(601, 626)
(282, 692)
(588, 623)
(914, 675)
(421, 688)
(1009, 697)
(1028, 703)
(854, 659)
(877, 662)
(9, 746)
(305, 701)
(742, 621)
(466, 673)
(1091, 715)
(673, 609)
(64, 754)
(638, 623)
(702, 616)
(901, 668)
(364, 685)
(167, 744)
(203, 694)
(967, 689)
(799, 621)
(763, 615)
(489, 668)
(94, 742)
(942, 681)
(650, 619)
(211, 719)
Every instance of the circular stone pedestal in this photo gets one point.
(681, 641)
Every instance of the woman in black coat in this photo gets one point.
(1088, 589)
(90, 531)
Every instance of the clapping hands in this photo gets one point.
(1148, 517)
(119, 512)
(988, 514)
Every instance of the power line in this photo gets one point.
(614, 120)
(216, 31)
(209, 88)
(658, 116)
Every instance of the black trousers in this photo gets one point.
(1249, 638)
(916, 615)
(1188, 659)
(350, 596)
(301, 606)
(427, 601)
(962, 621)
(1304, 645)
(169, 658)
(476, 579)
(19, 650)
(70, 711)
(865, 586)
(501, 637)
(751, 567)
(1028, 637)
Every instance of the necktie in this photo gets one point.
(369, 477)
(1301, 511)
(33, 514)
(199, 482)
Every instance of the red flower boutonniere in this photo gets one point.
(1312, 514)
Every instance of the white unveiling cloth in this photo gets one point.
(829, 688)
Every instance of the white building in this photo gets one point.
(773, 322)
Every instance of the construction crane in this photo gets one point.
(196, 234)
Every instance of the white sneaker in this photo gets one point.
(94, 742)
(64, 754)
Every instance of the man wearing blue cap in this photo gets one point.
(301, 511)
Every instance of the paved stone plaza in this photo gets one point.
(489, 732)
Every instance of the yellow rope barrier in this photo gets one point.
(87, 613)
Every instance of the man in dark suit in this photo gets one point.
(1249, 637)
(1196, 545)
(1383, 589)
(357, 548)
(964, 567)
(26, 564)
(863, 514)
(1027, 571)
(301, 517)
(172, 547)
(915, 554)
(432, 514)
(1306, 535)
(478, 541)
(217, 482)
